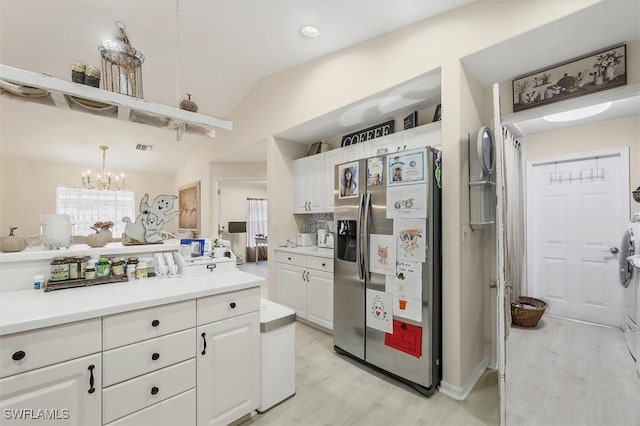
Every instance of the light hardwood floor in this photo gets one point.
(570, 373)
(334, 390)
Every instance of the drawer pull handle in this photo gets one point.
(204, 339)
(17, 356)
(232, 305)
(154, 390)
(91, 379)
(155, 323)
(155, 356)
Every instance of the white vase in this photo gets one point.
(610, 73)
(599, 80)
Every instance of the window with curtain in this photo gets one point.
(256, 225)
(86, 207)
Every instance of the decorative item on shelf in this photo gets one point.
(97, 239)
(12, 243)
(147, 227)
(56, 230)
(188, 104)
(92, 76)
(78, 73)
(437, 115)
(103, 180)
(636, 194)
(121, 64)
(104, 228)
(608, 71)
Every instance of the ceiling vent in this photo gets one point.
(141, 147)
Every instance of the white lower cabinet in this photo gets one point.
(305, 284)
(149, 367)
(68, 393)
(228, 365)
(320, 298)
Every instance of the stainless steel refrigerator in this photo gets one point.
(361, 218)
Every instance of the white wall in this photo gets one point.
(28, 189)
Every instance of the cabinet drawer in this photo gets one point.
(228, 305)
(135, 394)
(320, 263)
(291, 258)
(26, 351)
(178, 410)
(140, 358)
(130, 327)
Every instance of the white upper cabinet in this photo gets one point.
(353, 152)
(331, 160)
(308, 181)
(386, 144)
(421, 136)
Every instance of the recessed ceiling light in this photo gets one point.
(578, 114)
(310, 31)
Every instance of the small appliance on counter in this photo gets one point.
(305, 239)
(325, 235)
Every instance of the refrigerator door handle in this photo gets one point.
(366, 218)
(359, 238)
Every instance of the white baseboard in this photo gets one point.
(461, 393)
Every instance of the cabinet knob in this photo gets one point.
(17, 356)
(232, 305)
(324, 264)
(289, 258)
(155, 323)
(154, 390)
(155, 356)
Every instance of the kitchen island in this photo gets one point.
(127, 353)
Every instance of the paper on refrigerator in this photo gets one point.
(382, 254)
(411, 237)
(406, 289)
(408, 201)
(379, 311)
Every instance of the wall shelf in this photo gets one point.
(36, 87)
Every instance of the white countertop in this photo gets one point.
(25, 310)
(308, 250)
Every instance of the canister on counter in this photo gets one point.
(59, 269)
(90, 272)
(103, 270)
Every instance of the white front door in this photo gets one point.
(576, 212)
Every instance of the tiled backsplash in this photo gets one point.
(316, 221)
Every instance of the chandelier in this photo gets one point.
(104, 179)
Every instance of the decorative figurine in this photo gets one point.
(147, 227)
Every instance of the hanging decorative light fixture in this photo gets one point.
(121, 64)
(103, 180)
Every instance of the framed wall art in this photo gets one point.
(189, 202)
(588, 74)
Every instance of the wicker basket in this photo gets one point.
(527, 311)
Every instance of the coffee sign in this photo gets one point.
(376, 131)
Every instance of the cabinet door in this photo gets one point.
(421, 136)
(331, 159)
(390, 143)
(300, 201)
(228, 369)
(68, 393)
(353, 152)
(292, 288)
(315, 182)
(320, 298)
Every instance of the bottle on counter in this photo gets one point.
(38, 282)
(90, 272)
(141, 270)
(74, 267)
(59, 269)
(132, 262)
(117, 267)
(103, 269)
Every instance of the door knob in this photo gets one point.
(614, 250)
